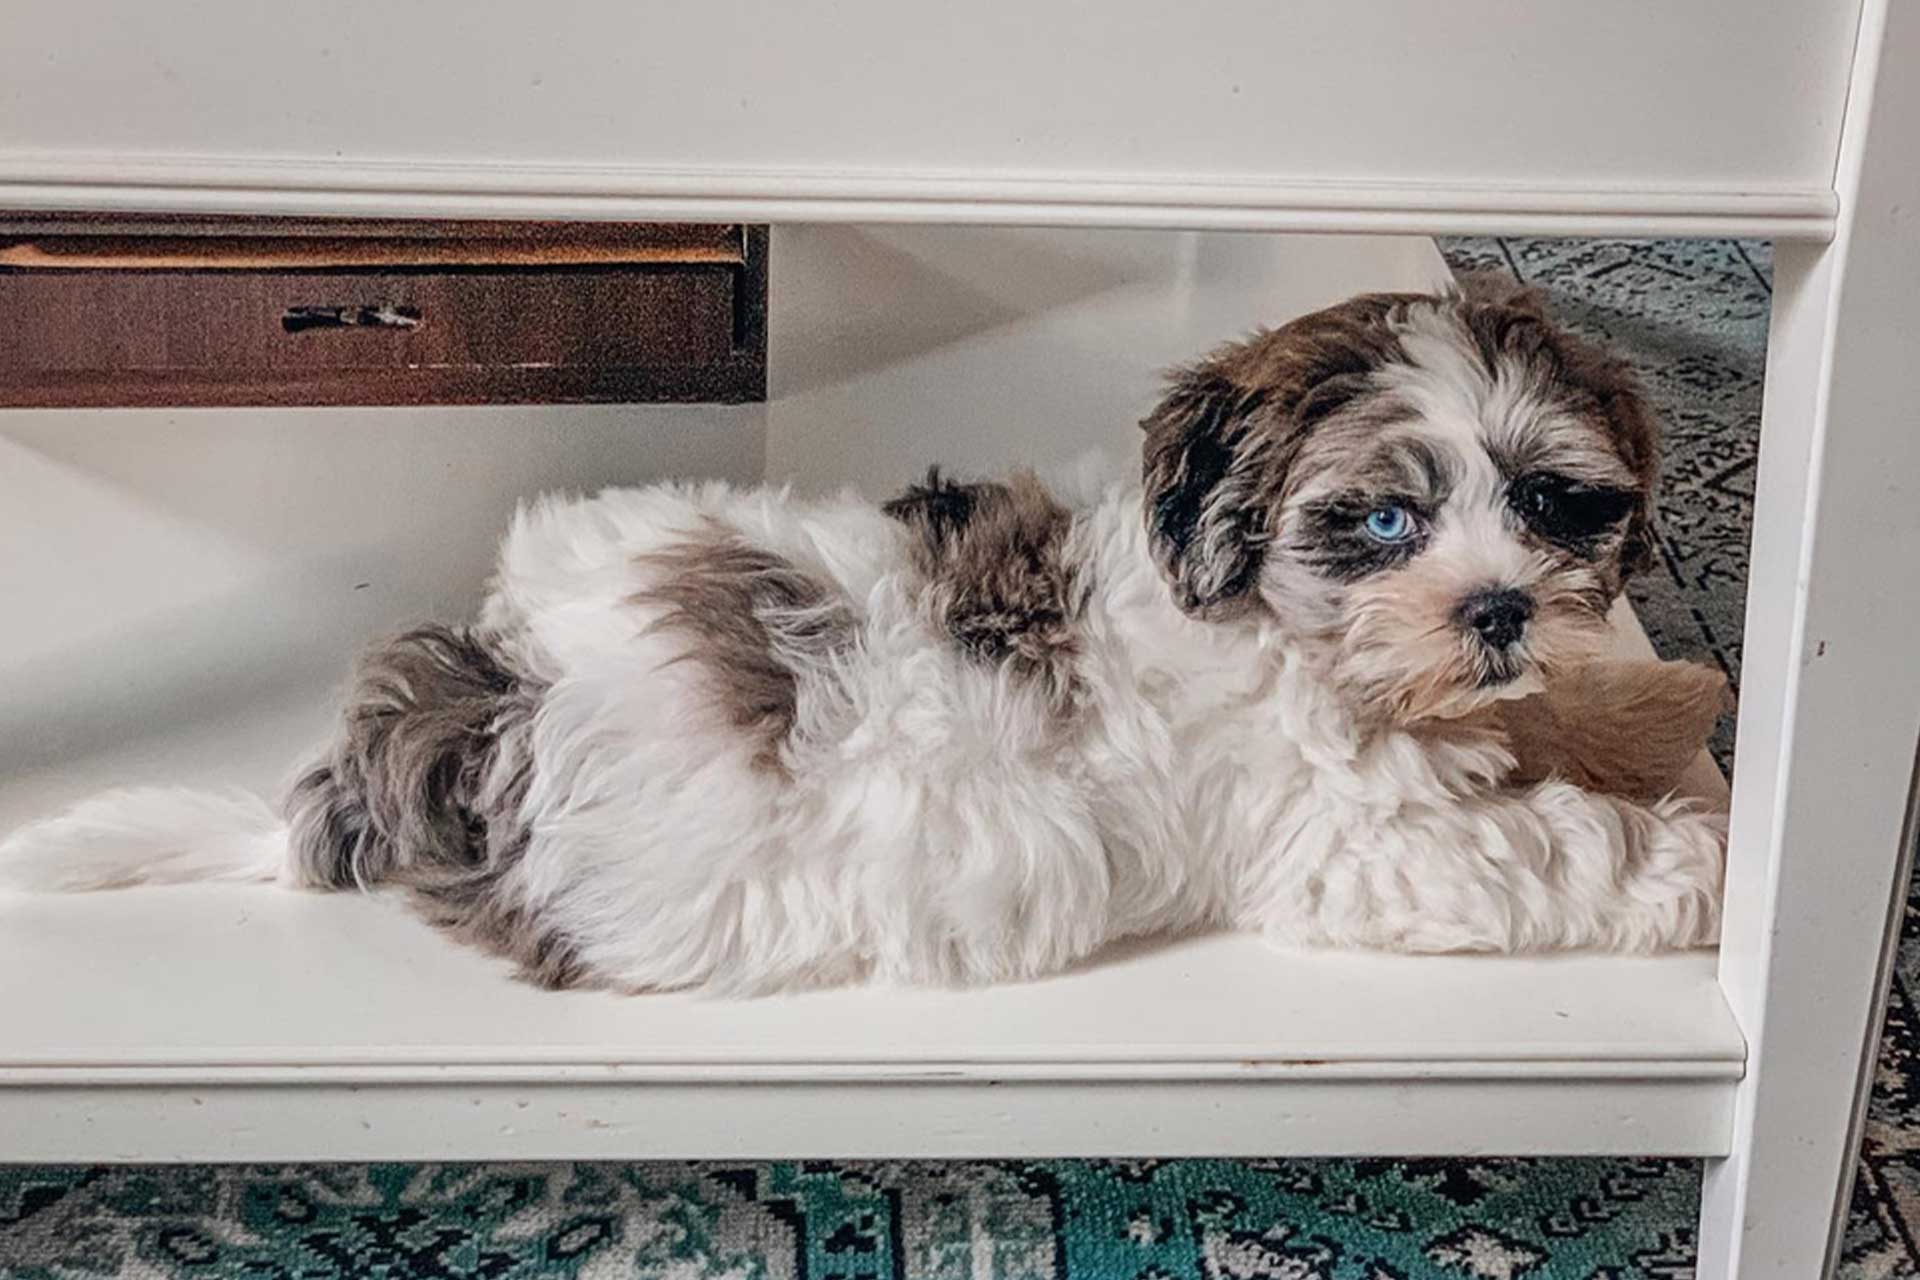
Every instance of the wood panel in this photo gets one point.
(567, 315)
(248, 244)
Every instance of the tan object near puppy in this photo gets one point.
(1630, 727)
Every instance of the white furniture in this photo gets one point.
(1798, 120)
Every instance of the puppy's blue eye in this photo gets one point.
(1389, 524)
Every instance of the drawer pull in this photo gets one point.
(384, 316)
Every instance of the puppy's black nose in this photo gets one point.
(1498, 617)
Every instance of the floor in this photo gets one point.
(1693, 316)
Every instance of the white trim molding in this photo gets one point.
(38, 182)
(900, 1118)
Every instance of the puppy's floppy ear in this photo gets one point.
(1514, 322)
(1201, 468)
(1636, 434)
(1631, 425)
(1219, 444)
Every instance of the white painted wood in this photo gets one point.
(190, 185)
(257, 980)
(247, 1023)
(184, 591)
(906, 1120)
(1713, 116)
(1831, 704)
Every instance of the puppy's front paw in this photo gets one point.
(1683, 868)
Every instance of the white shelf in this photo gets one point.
(242, 1023)
(220, 1024)
(223, 1023)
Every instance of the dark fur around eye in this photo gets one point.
(1332, 539)
(1568, 512)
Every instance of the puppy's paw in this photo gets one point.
(1686, 859)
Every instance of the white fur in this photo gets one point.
(147, 835)
(936, 822)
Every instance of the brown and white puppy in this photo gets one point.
(1439, 503)
(1326, 671)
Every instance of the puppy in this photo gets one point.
(709, 738)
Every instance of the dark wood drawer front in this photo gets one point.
(77, 335)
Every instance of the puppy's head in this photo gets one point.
(1443, 495)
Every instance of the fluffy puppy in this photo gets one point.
(723, 739)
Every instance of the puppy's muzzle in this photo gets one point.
(1498, 617)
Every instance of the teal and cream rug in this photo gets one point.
(1173, 1220)
(1693, 316)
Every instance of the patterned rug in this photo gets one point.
(1693, 317)
(1092, 1220)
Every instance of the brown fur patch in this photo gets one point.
(760, 624)
(1219, 444)
(998, 577)
(1625, 727)
(423, 790)
(473, 908)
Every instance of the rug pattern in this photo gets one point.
(1139, 1220)
(1692, 316)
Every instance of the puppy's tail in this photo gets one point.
(424, 787)
(148, 835)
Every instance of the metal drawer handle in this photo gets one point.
(384, 316)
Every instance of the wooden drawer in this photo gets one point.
(450, 313)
